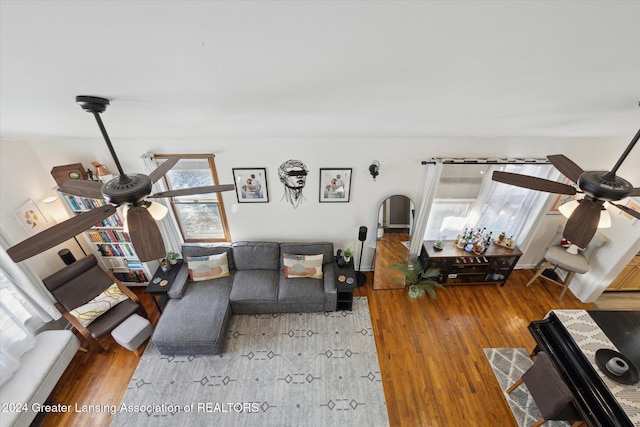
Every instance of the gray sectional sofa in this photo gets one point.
(196, 317)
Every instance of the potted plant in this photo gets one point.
(347, 254)
(172, 257)
(420, 281)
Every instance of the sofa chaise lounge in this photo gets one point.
(196, 317)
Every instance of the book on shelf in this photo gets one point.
(112, 243)
(83, 203)
(133, 264)
(108, 236)
(131, 276)
(116, 249)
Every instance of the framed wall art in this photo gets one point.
(335, 185)
(30, 218)
(251, 185)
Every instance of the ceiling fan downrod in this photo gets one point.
(96, 105)
(625, 153)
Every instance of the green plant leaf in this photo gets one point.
(420, 282)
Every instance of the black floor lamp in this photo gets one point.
(361, 279)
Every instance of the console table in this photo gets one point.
(458, 267)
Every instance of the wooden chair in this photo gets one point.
(557, 257)
(551, 394)
(79, 283)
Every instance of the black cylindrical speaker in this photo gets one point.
(362, 234)
(67, 256)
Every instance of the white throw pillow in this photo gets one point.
(208, 267)
(298, 266)
(90, 311)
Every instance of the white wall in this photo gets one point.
(24, 177)
(400, 173)
(623, 243)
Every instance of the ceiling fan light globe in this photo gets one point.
(157, 210)
(567, 209)
(605, 219)
(125, 226)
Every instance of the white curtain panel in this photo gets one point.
(18, 322)
(168, 225)
(29, 284)
(466, 196)
(432, 176)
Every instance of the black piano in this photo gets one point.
(592, 397)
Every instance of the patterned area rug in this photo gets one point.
(303, 369)
(508, 365)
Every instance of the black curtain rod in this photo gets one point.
(491, 161)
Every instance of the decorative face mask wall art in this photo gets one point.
(293, 174)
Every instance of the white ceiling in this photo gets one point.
(197, 70)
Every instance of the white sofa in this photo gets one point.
(40, 369)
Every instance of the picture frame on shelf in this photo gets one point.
(31, 218)
(251, 185)
(335, 185)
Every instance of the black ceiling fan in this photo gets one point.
(598, 187)
(131, 190)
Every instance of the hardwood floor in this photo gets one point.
(389, 250)
(430, 352)
(618, 300)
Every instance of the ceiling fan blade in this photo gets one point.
(161, 170)
(626, 209)
(145, 234)
(566, 166)
(59, 233)
(583, 223)
(533, 183)
(635, 192)
(195, 190)
(83, 188)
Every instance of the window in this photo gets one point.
(201, 217)
(465, 196)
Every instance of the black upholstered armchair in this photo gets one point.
(79, 283)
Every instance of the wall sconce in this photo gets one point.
(374, 169)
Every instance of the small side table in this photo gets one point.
(346, 282)
(157, 286)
